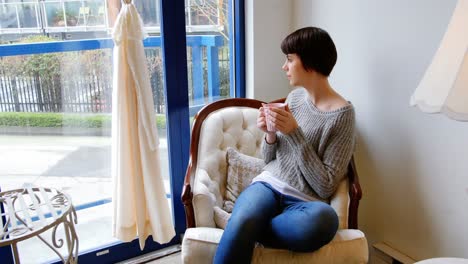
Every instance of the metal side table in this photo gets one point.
(31, 211)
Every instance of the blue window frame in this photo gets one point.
(177, 102)
(173, 42)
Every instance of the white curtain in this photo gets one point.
(140, 205)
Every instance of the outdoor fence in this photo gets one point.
(74, 89)
(55, 93)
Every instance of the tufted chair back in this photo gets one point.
(233, 123)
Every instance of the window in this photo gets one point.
(55, 101)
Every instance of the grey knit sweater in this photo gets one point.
(314, 157)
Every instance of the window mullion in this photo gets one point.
(177, 102)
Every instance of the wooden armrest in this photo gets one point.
(355, 194)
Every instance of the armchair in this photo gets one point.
(232, 123)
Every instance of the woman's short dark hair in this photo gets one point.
(314, 47)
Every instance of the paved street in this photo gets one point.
(29, 159)
(26, 156)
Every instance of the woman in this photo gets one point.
(286, 206)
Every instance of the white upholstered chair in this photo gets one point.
(232, 123)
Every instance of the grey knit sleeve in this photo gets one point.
(323, 175)
(268, 150)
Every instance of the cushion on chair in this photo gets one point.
(199, 244)
(221, 217)
(241, 170)
(348, 246)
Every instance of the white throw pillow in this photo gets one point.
(240, 172)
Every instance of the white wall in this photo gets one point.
(413, 166)
(267, 23)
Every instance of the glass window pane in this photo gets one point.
(206, 12)
(73, 10)
(55, 108)
(28, 15)
(94, 13)
(8, 16)
(149, 12)
(208, 53)
(54, 14)
(55, 119)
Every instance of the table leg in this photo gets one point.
(15, 253)
(71, 236)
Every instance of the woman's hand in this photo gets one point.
(283, 120)
(261, 124)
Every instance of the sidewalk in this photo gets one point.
(77, 165)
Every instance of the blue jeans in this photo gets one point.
(277, 221)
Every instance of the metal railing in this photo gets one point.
(208, 61)
(53, 16)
